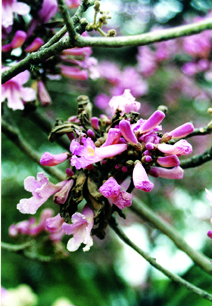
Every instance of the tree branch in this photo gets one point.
(67, 19)
(197, 160)
(198, 258)
(109, 42)
(16, 247)
(152, 261)
(15, 136)
(145, 39)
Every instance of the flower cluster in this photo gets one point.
(104, 152)
(74, 63)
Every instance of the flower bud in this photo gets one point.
(49, 159)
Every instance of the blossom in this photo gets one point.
(73, 73)
(9, 7)
(140, 178)
(17, 41)
(113, 137)
(126, 131)
(41, 190)
(61, 196)
(175, 173)
(89, 154)
(153, 121)
(168, 161)
(112, 191)
(49, 159)
(35, 45)
(182, 130)
(80, 228)
(181, 147)
(125, 103)
(15, 93)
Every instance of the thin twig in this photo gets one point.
(108, 42)
(16, 247)
(68, 21)
(198, 258)
(15, 136)
(152, 261)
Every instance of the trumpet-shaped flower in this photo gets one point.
(49, 159)
(80, 228)
(175, 173)
(41, 190)
(126, 131)
(181, 147)
(153, 121)
(15, 93)
(89, 154)
(182, 130)
(140, 178)
(112, 190)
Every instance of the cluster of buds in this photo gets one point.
(97, 25)
(104, 152)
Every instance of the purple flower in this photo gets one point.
(14, 91)
(110, 189)
(153, 121)
(35, 45)
(61, 196)
(41, 190)
(182, 130)
(124, 199)
(49, 159)
(175, 173)
(89, 154)
(54, 224)
(126, 131)
(9, 7)
(48, 10)
(140, 178)
(72, 3)
(181, 147)
(73, 73)
(125, 103)
(113, 137)
(168, 161)
(80, 228)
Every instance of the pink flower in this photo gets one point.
(9, 7)
(182, 130)
(43, 94)
(41, 190)
(95, 123)
(113, 137)
(18, 40)
(153, 121)
(125, 103)
(126, 131)
(49, 159)
(181, 147)
(15, 93)
(140, 178)
(80, 228)
(89, 154)
(54, 224)
(168, 161)
(35, 45)
(124, 199)
(112, 191)
(175, 173)
(61, 196)
(74, 73)
(48, 10)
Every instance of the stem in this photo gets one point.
(144, 212)
(144, 39)
(197, 160)
(152, 261)
(15, 247)
(68, 21)
(109, 42)
(15, 136)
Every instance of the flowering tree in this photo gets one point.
(117, 153)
